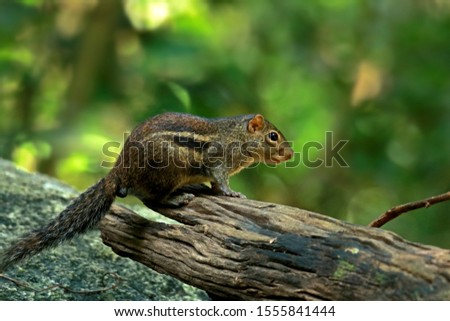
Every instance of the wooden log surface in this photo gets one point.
(245, 249)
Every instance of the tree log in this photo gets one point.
(248, 250)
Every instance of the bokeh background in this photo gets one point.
(75, 74)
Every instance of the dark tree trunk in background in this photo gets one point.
(96, 54)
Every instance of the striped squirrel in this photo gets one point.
(162, 154)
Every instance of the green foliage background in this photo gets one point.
(77, 74)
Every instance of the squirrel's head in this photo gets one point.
(266, 143)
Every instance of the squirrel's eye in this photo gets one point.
(273, 136)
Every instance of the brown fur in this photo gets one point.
(160, 155)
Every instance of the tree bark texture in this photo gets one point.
(248, 250)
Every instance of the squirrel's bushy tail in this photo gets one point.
(79, 217)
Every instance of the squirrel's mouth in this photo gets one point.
(275, 160)
(272, 162)
(287, 155)
(282, 155)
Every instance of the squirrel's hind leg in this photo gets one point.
(172, 200)
(178, 200)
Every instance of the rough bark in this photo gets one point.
(244, 249)
(82, 269)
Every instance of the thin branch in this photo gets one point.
(398, 210)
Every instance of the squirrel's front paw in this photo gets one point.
(234, 194)
(225, 190)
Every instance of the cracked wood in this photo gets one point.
(245, 249)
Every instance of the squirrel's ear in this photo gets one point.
(256, 123)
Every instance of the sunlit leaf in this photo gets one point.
(181, 93)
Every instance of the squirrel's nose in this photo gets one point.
(287, 153)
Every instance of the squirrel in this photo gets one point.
(159, 156)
